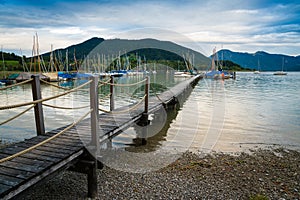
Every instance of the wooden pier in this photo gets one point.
(47, 154)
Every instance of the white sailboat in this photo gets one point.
(213, 73)
(257, 71)
(281, 72)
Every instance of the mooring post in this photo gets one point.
(92, 175)
(147, 85)
(112, 101)
(38, 109)
(144, 118)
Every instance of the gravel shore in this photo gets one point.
(262, 174)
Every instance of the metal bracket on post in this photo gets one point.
(38, 109)
(112, 101)
(92, 175)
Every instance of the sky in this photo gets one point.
(238, 25)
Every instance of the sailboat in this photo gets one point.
(257, 71)
(281, 72)
(213, 73)
(53, 75)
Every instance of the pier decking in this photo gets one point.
(67, 151)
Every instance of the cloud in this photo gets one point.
(236, 24)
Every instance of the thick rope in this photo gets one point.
(103, 83)
(18, 115)
(45, 141)
(14, 85)
(123, 85)
(66, 108)
(127, 110)
(57, 86)
(45, 99)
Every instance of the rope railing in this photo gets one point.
(14, 85)
(44, 99)
(123, 85)
(104, 82)
(126, 110)
(16, 116)
(66, 108)
(57, 86)
(45, 141)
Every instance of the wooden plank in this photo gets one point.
(48, 149)
(4, 188)
(52, 144)
(32, 155)
(33, 161)
(15, 172)
(60, 166)
(21, 166)
(61, 141)
(9, 181)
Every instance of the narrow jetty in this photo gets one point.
(38, 159)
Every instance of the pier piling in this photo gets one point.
(38, 109)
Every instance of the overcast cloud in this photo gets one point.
(246, 26)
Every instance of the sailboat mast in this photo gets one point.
(38, 53)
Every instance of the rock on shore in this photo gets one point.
(263, 174)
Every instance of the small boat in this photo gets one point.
(258, 66)
(183, 75)
(53, 76)
(280, 72)
(23, 76)
(216, 74)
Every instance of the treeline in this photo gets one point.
(230, 66)
(11, 62)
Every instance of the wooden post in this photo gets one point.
(38, 109)
(147, 85)
(92, 173)
(144, 118)
(92, 181)
(112, 101)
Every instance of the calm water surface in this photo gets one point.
(255, 110)
(229, 116)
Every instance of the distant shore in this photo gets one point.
(262, 174)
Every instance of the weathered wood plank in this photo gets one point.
(32, 161)
(21, 166)
(15, 172)
(61, 141)
(9, 181)
(4, 188)
(47, 172)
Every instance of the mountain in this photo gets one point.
(261, 60)
(148, 49)
(81, 49)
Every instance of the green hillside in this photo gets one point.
(148, 50)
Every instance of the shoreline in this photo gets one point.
(262, 174)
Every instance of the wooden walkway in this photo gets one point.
(67, 150)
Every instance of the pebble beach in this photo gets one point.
(259, 174)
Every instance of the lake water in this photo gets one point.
(220, 115)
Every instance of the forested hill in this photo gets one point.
(147, 49)
(261, 60)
